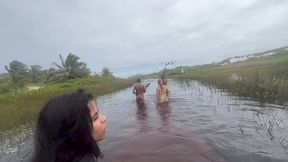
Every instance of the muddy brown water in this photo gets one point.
(200, 124)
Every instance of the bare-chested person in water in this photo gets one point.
(139, 90)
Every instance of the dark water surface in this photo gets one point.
(198, 124)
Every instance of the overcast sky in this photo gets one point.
(135, 36)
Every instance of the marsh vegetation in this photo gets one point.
(260, 78)
(24, 90)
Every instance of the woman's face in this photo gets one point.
(99, 122)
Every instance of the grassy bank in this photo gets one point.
(264, 79)
(24, 106)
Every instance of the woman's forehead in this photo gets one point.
(93, 106)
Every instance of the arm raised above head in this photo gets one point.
(145, 87)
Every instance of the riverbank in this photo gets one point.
(261, 78)
(23, 107)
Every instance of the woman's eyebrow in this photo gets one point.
(95, 114)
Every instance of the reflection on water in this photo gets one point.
(200, 123)
(12, 140)
(141, 112)
(266, 119)
(141, 116)
(16, 142)
(164, 112)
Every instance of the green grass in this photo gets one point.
(264, 79)
(23, 106)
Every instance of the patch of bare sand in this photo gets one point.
(33, 87)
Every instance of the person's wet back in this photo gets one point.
(139, 89)
(68, 129)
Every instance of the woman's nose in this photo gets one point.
(103, 118)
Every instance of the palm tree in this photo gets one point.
(106, 71)
(71, 68)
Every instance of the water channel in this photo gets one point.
(200, 123)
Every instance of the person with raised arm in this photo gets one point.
(139, 89)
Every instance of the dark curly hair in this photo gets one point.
(63, 131)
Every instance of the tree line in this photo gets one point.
(69, 68)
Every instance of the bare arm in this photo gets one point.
(158, 93)
(147, 85)
(144, 88)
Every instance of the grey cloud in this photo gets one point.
(131, 36)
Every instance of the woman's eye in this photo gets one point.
(95, 116)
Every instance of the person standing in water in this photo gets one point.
(139, 90)
(165, 85)
(161, 92)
